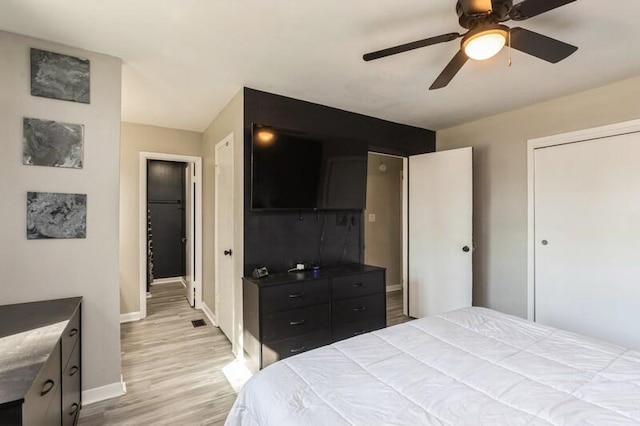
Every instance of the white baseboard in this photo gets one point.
(114, 390)
(184, 282)
(130, 317)
(169, 280)
(209, 313)
(391, 288)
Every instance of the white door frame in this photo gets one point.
(627, 127)
(197, 179)
(228, 139)
(405, 227)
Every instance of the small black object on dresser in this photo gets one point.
(289, 313)
(40, 363)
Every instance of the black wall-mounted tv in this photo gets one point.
(293, 170)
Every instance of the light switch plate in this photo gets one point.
(372, 217)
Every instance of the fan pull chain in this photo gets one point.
(509, 35)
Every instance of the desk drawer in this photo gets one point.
(358, 309)
(346, 330)
(294, 296)
(357, 285)
(70, 337)
(282, 349)
(71, 389)
(42, 401)
(281, 325)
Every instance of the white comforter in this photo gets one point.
(472, 366)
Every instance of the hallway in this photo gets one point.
(175, 373)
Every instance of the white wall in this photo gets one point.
(500, 180)
(134, 139)
(48, 269)
(230, 120)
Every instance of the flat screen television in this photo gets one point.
(293, 170)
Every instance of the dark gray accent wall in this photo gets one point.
(279, 239)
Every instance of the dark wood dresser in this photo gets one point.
(40, 363)
(289, 313)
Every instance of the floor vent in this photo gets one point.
(198, 323)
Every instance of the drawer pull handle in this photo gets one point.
(73, 370)
(73, 332)
(74, 409)
(296, 295)
(358, 285)
(299, 322)
(296, 350)
(46, 387)
(360, 309)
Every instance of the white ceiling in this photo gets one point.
(184, 60)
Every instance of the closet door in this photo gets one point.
(440, 231)
(587, 238)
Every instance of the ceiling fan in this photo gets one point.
(487, 35)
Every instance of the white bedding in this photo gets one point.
(472, 366)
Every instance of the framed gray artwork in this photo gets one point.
(56, 215)
(58, 76)
(52, 143)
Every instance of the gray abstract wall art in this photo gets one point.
(55, 215)
(52, 143)
(58, 76)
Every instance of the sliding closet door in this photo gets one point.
(587, 238)
(440, 231)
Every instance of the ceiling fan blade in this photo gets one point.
(450, 71)
(410, 46)
(473, 7)
(540, 46)
(530, 8)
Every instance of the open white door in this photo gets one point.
(190, 196)
(440, 231)
(224, 275)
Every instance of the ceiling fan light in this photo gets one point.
(484, 44)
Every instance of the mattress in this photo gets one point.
(472, 366)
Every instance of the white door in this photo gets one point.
(440, 231)
(587, 234)
(224, 236)
(190, 233)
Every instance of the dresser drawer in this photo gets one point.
(70, 337)
(294, 296)
(71, 388)
(357, 285)
(281, 325)
(358, 309)
(42, 401)
(282, 349)
(345, 330)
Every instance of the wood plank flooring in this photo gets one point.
(177, 374)
(394, 309)
(173, 371)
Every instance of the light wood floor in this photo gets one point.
(174, 372)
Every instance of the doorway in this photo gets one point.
(167, 224)
(385, 222)
(171, 211)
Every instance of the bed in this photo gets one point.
(470, 366)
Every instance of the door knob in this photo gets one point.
(466, 249)
(228, 252)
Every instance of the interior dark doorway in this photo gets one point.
(166, 197)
